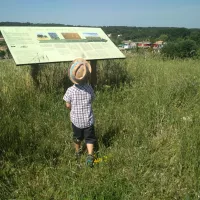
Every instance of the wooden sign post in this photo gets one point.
(35, 68)
(93, 64)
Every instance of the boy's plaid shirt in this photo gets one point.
(80, 97)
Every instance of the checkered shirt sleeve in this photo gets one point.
(67, 96)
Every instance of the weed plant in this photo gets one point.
(147, 114)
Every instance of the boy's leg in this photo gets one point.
(77, 138)
(77, 144)
(90, 148)
(78, 152)
(90, 140)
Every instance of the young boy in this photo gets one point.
(78, 100)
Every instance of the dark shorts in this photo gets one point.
(84, 133)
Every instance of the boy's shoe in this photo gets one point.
(90, 160)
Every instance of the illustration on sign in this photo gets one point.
(69, 37)
(42, 36)
(54, 36)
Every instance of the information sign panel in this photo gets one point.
(31, 45)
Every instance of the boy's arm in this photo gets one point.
(67, 99)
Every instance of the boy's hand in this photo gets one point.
(68, 106)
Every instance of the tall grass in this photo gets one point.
(147, 121)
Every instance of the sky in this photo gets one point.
(140, 13)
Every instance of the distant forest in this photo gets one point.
(121, 33)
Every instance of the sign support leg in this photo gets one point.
(34, 73)
(93, 64)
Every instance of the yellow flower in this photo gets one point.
(103, 159)
(98, 160)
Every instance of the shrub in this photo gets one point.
(182, 49)
(50, 77)
(112, 73)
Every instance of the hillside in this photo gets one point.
(147, 121)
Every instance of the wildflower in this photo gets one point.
(98, 160)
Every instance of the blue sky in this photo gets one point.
(143, 13)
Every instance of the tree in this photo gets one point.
(188, 49)
(195, 36)
(163, 37)
(182, 49)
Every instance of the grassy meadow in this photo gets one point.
(147, 112)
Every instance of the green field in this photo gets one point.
(147, 114)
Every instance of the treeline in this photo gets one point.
(133, 33)
(170, 34)
(30, 24)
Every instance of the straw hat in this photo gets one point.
(79, 71)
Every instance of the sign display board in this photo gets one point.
(31, 45)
